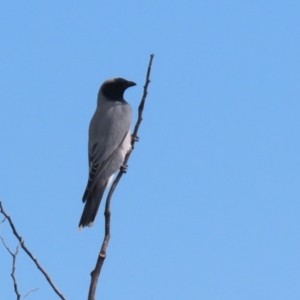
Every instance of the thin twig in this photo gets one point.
(22, 243)
(31, 291)
(101, 257)
(4, 244)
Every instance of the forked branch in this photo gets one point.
(22, 244)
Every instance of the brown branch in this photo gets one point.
(101, 257)
(22, 243)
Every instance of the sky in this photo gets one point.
(209, 208)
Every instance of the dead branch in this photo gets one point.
(13, 268)
(101, 257)
(22, 243)
(31, 291)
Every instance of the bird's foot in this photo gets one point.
(123, 168)
(135, 138)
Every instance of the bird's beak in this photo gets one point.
(130, 83)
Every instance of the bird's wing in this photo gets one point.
(105, 140)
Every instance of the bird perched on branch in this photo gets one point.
(109, 142)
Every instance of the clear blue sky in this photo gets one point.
(209, 208)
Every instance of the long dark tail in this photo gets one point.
(91, 206)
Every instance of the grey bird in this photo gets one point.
(109, 142)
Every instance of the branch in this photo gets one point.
(22, 243)
(13, 272)
(31, 291)
(13, 268)
(101, 257)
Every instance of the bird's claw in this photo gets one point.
(124, 168)
(135, 138)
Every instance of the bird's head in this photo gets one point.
(114, 88)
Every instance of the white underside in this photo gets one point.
(124, 149)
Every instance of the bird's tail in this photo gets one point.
(91, 206)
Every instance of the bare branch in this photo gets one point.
(31, 291)
(22, 243)
(101, 257)
(4, 244)
(13, 272)
(13, 268)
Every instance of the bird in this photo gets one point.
(109, 142)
